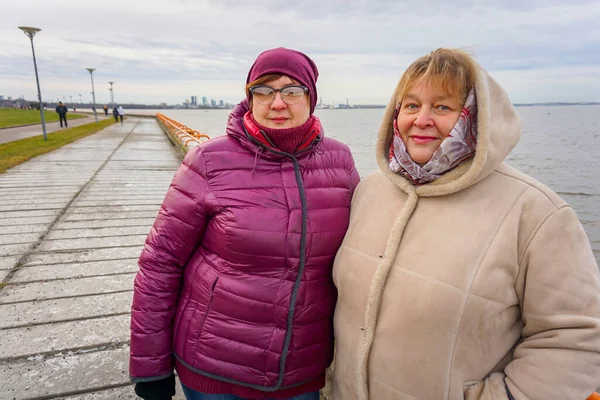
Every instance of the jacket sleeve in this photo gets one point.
(176, 232)
(354, 175)
(559, 295)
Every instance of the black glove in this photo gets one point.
(163, 389)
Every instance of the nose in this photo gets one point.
(423, 119)
(278, 103)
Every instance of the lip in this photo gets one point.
(423, 139)
(279, 120)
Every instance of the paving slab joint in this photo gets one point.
(62, 395)
(97, 347)
(59, 321)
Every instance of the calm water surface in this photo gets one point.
(560, 147)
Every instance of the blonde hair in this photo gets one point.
(450, 70)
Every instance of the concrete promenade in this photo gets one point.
(22, 132)
(72, 225)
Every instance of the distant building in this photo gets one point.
(204, 101)
(213, 102)
(221, 103)
(186, 103)
(194, 100)
(1, 98)
(9, 98)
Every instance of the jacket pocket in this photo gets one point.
(210, 301)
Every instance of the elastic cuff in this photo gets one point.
(135, 379)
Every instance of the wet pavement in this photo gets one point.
(72, 225)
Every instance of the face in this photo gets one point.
(426, 118)
(278, 114)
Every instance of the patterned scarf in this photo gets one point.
(458, 147)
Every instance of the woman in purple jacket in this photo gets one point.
(234, 289)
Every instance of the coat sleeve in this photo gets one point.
(559, 295)
(176, 232)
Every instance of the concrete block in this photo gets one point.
(120, 208)
(37, 204)
(96, 232)
(8, 262)
(90, 243)
(66, 288)
(74, 270)
(51, 377)
(120, 199)
(18, 229)
(113, 253)
(25, 198)
(27, 214)
(114, 215)
(26, 220)
(96, 224)
(15, 249)
(3, 274)
(19, 238)
(48, 311)
(63, 336)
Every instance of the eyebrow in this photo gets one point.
(437, 98)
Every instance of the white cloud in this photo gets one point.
(166, 51)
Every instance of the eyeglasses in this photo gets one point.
(289, 94)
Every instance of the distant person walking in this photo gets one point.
(116, 114)
(105, 110)
(121, 113)
(61, 110)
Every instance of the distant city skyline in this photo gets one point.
(539, 51)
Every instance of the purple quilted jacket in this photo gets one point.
(235, 276)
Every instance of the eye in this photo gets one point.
(443, 107)
(411, 106)
(292, 91)
(262, 91)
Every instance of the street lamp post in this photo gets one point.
(112, 99)
(30, 32)
(93, 94)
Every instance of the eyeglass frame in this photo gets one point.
(304, 88)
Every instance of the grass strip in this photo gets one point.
(11, 117)
(19, 151)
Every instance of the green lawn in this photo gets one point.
(19, 151)
(16, 117)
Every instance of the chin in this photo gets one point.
(420, 158)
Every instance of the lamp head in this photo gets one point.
(29, 30)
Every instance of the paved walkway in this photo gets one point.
(72, 225)
(22, 132)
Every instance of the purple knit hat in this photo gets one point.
(287, 62)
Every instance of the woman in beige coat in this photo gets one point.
(461, 277)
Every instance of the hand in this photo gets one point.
(163, 389)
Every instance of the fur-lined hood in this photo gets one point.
(495, 141)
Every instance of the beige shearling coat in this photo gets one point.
(483, 277)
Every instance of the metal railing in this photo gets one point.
(187, 136)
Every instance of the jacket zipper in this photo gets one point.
(292, 305)
(210, 301)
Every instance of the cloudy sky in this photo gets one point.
(540, 50)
